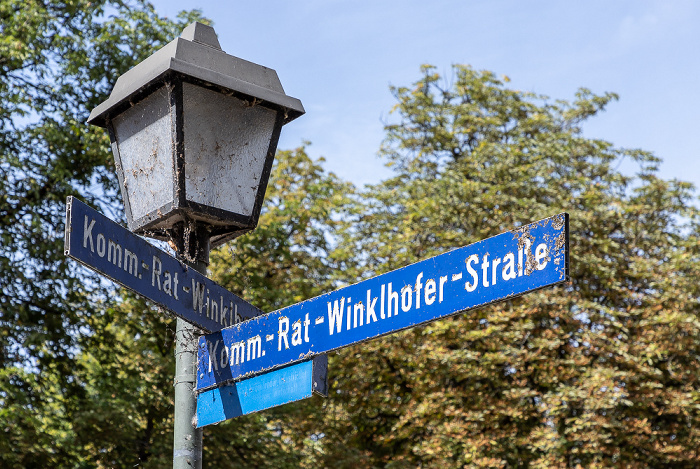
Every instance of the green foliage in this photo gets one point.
(598, 373)
(124, 416)
(58, 60)
(602, 372)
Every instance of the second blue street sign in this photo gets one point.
(525, 259)
(102, 245)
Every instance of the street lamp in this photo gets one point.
(194, 133)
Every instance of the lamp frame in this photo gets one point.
(224, 225)
(195, 58)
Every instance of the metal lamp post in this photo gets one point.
(194, 132)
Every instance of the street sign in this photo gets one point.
(274, 388)
(105, 247)
(499, 268)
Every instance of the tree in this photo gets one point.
(58, 60)
(86, 376)
(598, 373)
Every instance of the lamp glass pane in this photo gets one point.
(226, 143)
(145, 139)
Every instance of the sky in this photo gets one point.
(340, 58)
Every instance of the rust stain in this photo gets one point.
(527, 248)
(560, 241)
(558, 222)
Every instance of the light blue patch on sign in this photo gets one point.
(262, 392)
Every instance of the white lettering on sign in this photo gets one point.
(419, 286)
(335, 316)
(371, 303)
(236, 317)
(212, 353)
(102, 246)
(282, 333)
(237, 353)
(114, 253)
(255, 348)
(406, 298)
(509, 271)
(87, 234)
(198, 297)
(217, 310)
(470, 287)
(541, 255)
(131, 263)
(165, 281)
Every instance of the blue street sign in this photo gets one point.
(261, 392)
(495, 269)
(105, 247)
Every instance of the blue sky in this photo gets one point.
(339, 58)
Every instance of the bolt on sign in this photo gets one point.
(109, 249)
(499, 268)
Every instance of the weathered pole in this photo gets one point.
(192, 242)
